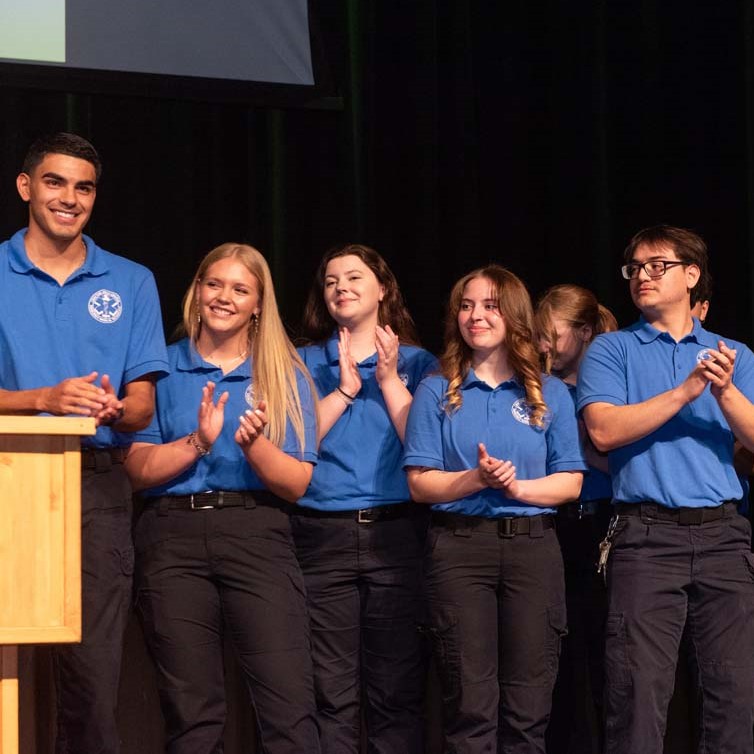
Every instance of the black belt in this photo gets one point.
(680, 516)
(578, 509)
(363, 516)
(220, 499)
(508, 526)
(585, 508)
(102, 459)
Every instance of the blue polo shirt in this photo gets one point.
(105, 318)
(597, 484)
(360, 457)
(688, 461)
(498, 417)
(178, 398)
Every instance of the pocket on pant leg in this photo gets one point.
(127, 561)
(618, 684)
(616, 657)
(617, 690)
(558, 629)
(445, 643)
(749, 564)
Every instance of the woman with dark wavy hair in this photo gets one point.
(493, 445)
(358, 535)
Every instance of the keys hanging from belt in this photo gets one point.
(605, 546)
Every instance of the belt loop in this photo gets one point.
(163, 506)
(461, 530)
(690, 518)
(536, 527)
(506, 527)
(220, 500)
(249, 501)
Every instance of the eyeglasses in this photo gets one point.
(654, 269)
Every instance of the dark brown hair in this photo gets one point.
(688, 246)
(61, 143)
(318, 325)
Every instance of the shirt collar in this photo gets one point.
(96, 261)
(705, 337)
(647, 333)
(94, 264)
(471, 380)
(189, 360)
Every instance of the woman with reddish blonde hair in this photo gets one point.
(567, 319)
(493, 446)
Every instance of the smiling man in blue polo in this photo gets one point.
(81, 334)
(665, 398)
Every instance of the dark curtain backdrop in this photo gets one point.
(540, 135)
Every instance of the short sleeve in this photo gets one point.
(423, 437)
(602, 375)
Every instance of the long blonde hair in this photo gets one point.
(275, 361)
(516, 310)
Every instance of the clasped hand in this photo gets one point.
(495, 473)
(715, 370)
(82, 397)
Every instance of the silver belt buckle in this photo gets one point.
(363, 516)
(199, 507)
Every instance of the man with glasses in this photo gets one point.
(665, 398)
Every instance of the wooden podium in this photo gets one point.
(40, 545)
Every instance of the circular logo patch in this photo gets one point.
(522, 412)
(105, 306)
(249, 395)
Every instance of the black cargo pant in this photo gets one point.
(576, 724)
(201, 574)
(667, 571)
(496, 610)
(88, 674)
(363, 586)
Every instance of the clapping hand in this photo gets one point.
(251, 425)
(350, 379)
(211, 415)
(387, 354)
